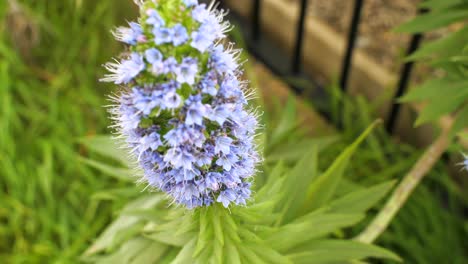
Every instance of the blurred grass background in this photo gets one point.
(51, 54)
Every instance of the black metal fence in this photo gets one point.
(286, 65)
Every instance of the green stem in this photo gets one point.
(406, 187)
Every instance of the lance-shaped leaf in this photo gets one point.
(295, 186)
(435, 19)
(116, 172)
(435, 89)
(108, 147)
(124, 226)
(339, 251)
(362, 200)
(185, 254)
(444, 47)
(309, 227)
(323, 188)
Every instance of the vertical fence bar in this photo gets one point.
(405, 77)
(256, 7)
(352, 36)
(297, 55)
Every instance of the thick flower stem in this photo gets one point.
(406, 187)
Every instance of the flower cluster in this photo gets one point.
(184, 112)
(464, 164)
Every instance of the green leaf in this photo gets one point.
(118, 173)
(293, 152)
(205, 232)
(169, 238)
(309, 227)
(295, 186)
(443, 47)
(231, 255)
(461, 121)
(435, 88)
(273, 176)
(217, 256)
(171, 254)
(339, 251)
(287, 123)
(126, 193)
(249, 256)
(110, 236)
(439, 4)
(108, 147)
(127, 252)
(155, 216)
(185, 254)
(269, 255)
(323, 188)
(217, 223)
(434, 20)
(151, 254)
(362, 200)
(441, 106)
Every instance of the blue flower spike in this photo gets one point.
(183, 111)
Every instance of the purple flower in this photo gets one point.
(126, 71)
(187, 71)
(208, 84)
(226, 197)
(243, 192)
(212, 180)
(179, 158)
(150, 142)
(221, 113)
(153, 55)
(171, 100)
(154, 18)
(129, 35)
(212, 26)
(200, 13)
(170, 65)
(144, 102)
(201, 40)
(223, 144)
(163, 35)
(185, 135)
(223, 61)
(190, 3)
(227, 161)
(180, 35)
(204, 158)
(195, 111)
(208, 32)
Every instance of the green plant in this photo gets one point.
(433, 213)
(444, 96)
(50, 58)
(295, 217)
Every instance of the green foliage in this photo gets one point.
(432, 220)
(50, 59)
(278, 226)
(420, 241)
(448, 94)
